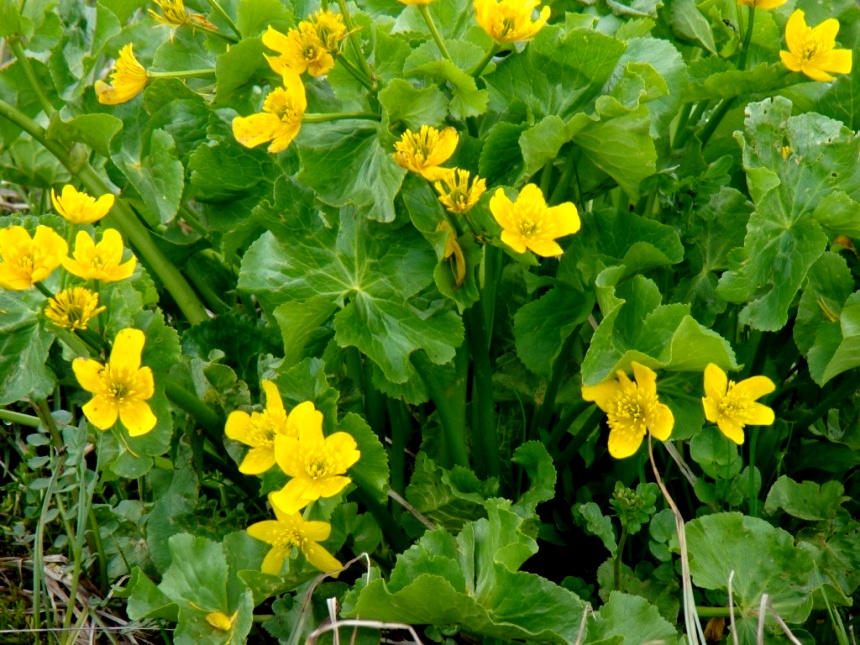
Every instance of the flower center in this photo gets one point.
(733, 405)
(811, 47)
(631, 408)
(119, 383)
(288, 539)
(265, 426)
(318, 466)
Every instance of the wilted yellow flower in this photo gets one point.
(127, 81)
(733, 405)
(290, 530)
(529, 224)
(73, 308)
(221, 621)
(455, 251)
(260, 428)
(174, 14)
(24, 261)
(80, 208)
(415, 2)
(102, 261)
(812, 50)
(280, 120)
(762, 4)
(300, 49)
(424, 151)
(456, 194)
(330, 29)
(316, 464)
(632, 409)
(510, 21)
(122, 387)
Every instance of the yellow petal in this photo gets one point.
(344, 449)
(320, 558)
(294, 496)
(101, 412)
(273, 396)
(543, 247)
(274, 39)
(532, 195)
(266, 531)
(258, 460)
(88, 373)
(716, 384)
(259, 128)
(287, 455)
(840, 61)
(602, 394)
(238, 427)
(712, 409)
(754, 387)
(127, 349)
(826, 33)
(50, 243)
(433, 173)
(295, 88)
(310, 432)
(813, 71)
(758, 415)
(795, 32)
(662, 422)
(284, 138)
(274, 561)
(514, 240)
(445, 147)
(624, 442)
(502, 209)
(316, 531)
(562, 220)
(303, 414)
(646, 379)
(331, 486)
(144, 383)
(732, 430)
(137, 417)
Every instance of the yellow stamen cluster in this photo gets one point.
(510, 21)
(73, 308)
(424, 151)
(174, 14)
(455, 193)
(24, 261)
(281, 118)
(310, 47)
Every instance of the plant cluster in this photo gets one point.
(329, 316)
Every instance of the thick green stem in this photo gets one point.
(356, 45)
(401, 429)
(619, 552)
(712, 612)
(356, 73)
(374, 402)
(339, 116)
(572, 449)
(188, 73)
(121, 216)
(220, 11)
(563, 182)
(560, 428)
(682, 135)
(742, 63)
(487, 461)
(35, 85)
(541, 420)
(20, 419)
(431, 25)
(100, 551)
(485, 61)
(452, 415)
(715, 120)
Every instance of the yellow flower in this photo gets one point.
(24, 261)
(415, 2)
(300, 50)
(260, 428)
(330, 29)
(510, 21)
(316, 464)
(290, 530)
(280, 120)
(121, 388)
(454, 250)
(733, 405)
(73, 308)
(221, 621)
(174, 14)
(812, 50)
(80, 208)
(762, 4)
(100, 261)
(632, 409)
(455, 194)
(128, 79)
(529, 224)
(424, 151)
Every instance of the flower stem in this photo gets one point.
(356, 74)
(356, 45)
(618, 554)
(543, 414)
(339, 116)
(401, 429)
(18, 50)
(20, 419)
(431, 25)
(485, 434)
(716, 119)
(742, 62)
(485, 60)
(220, 11)
(121, 215)
(452, 414)
(188, 73)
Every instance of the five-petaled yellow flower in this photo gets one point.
(316, 464)
(127, 81)
(423, 152)
(80, 208)
(24, 261)
(762, 4)
(530, 224)
(73, 308)
(290, 530)
(812, 50)
(121, 388)
(259, 429)
(330, 29)
(733, 405)
(174, 14)
(280, 120)
(632, 409)
(300, 50)
(456, 194)
(102, 261)
(510, 21)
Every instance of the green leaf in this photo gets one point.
(599, 525)
(24, 346)
(837, 213)
(380, 270)
(148, 601)
(236, 73)
(763, 558)
(501, 160)
(716, 454)
(783, 239)
(806, 500)
(414, 107)
(542, 326)
(687, 21)
(154, 172)
(631, 617)
(254, 16)
(350, 162)
(298, 322)
(197, 573)
(93, 130)
(533, 456)
(466, 99)
(10, 18)
(715, 79)
(371, 470)
(541, 143)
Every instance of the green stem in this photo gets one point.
(374, 403)
(541, 420)
(452, 415)
(560, 428)
(100, 551)
(431, 25)
(401, 429)
(35, 85)
(44, 414)
(718, 115)
(355, 44)
(215, 32)
(356, 73)
(220, 11)
(20, 419)
(487, 461)
(742, 62)
(79, 346)
(546, 178)
(618, 555)
(121, 215)
(683, 120)
(485, 60)
(681, 136)
(44, 290)
(339, 116)
(712, 612)
(189, 73)
(846, 388)
(753, 496)
(580, 437)
(203, 284)
(561, 185)
(390, 528)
